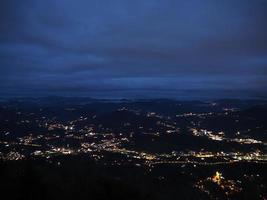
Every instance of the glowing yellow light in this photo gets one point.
(217, 178)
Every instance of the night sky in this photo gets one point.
(133, 48)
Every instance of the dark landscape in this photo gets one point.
(83, 148)
(133, 99)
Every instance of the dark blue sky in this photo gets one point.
(81, 47)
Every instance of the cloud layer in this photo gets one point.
(73, 47)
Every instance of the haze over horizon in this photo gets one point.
(195, 49)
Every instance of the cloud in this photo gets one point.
(58, 45)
